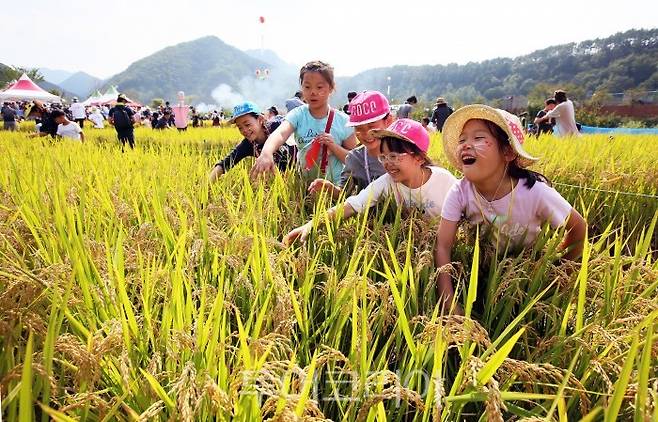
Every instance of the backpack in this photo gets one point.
(121, 118)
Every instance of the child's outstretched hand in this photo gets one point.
(300, 233)
(319, 185)
(216, 172)
(264, 164)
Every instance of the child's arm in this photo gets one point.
(574, 238)
(265, 162)
(445, 239)
(242, 150)
(302, 232)
(318, 185)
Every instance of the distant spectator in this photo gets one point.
(293, 103)
(350, 97)
(167, 109)
(78, 112)
(564, 115)
(154, 118)
(440, 113)
(405, 110)
(215, 118)
(271, 113)
(96, 118)
(47, 125)
(163, 122)
(67, 128)
(299, 95)
(121, 117)
(195, 117)
(427, 125)
(8, 117)
(545, 126)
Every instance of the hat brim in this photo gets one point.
(383, 133)
(365, 122)
(454, 124)
(234, 118)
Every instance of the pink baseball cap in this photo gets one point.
(368, 107)
(407, 130)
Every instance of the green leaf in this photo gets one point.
(155, 385)
(492, 365)
(612, 412)
(25, 406)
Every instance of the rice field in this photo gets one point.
(132, 290)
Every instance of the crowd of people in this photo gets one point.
(364, 154)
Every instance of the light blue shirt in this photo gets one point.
(308, 127)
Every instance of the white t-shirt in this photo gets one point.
(517, 217)
(97, 119)
(72, 130)
(565, 119)
(78, 111)
(429, 197)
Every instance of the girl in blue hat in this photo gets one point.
(255, 129)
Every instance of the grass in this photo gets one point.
(130, 289)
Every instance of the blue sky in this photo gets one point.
(103, 38)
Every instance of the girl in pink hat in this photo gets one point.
(497, 190)
(368, 110)
(315, 124)
(410, 177)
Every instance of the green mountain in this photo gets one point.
(81, 83)
(621, 62)
(55, 76)
(197, 67)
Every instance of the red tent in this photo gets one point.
(26, 90)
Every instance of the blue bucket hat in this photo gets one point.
(244, 108)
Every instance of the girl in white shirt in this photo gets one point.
(410, 178)
(497, 190)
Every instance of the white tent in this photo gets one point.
(110, 98)
(110, 95)
(26, 90)
(94, 99)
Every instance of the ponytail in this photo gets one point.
(531, 177)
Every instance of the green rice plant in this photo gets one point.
(131, 289)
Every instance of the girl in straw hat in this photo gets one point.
(497, 190)
(410, 178)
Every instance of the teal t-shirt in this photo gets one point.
(308, 127)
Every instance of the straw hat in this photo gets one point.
(510, 123)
